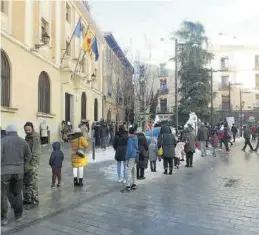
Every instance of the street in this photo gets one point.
(218, 196)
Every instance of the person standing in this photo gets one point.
(15, 157)
(153, 150)
(214, 142)
(189, 147)
(55, 161)
(142, 162)
(234, 132)
(44, 135)
(202, 137)
(247, 136)
(120, 146)
(167, 142)
(131, 155)
(79, 158)
(30, 180)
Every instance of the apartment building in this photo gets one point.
(236, 77)
(44, 75)
(118, 84)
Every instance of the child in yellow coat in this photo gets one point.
(78, 162)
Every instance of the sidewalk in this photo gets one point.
(99, 179)
(216, 197)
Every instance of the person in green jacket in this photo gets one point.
(247, 136)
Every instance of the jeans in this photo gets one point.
(203, 148)
(11, 188)
(119, 166)
(234, 137)
(168, 161)
(189, 159)
(247, 142)
(56, 174)
(131, 172)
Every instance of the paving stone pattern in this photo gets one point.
(219, 196)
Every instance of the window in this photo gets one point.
(163, 105)
(4, 7)
(257, 81)
(5, 80)
(163, 84)
(224, 63)
(68, 46)
(83, 106)
(163, 70)
(224, 82)
(257, 61)
(68, 13)
(44, 93)
(225, 102)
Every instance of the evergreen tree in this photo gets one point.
(193, 73)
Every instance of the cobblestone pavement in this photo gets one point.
(219, 196)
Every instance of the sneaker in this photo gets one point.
(120, 180)
(125, 190)
(165, 172)
(19, 218)
(133, 186)
(58, 185)
(4, 222)
(170, 172)
(187, 166)
(53, 186)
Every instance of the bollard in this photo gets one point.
(93, 149)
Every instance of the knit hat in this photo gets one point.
(29, 124)
(11, 128)
(77, 130)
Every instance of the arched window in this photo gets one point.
(83, 106)
(44, 93)
(95, 110)
(5, 80)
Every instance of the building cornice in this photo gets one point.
(27, 48)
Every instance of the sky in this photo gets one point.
(138, 26)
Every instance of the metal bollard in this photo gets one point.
(93, 149)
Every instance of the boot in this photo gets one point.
(170, 172)
(165, 172)
(81, 182)
(76, 182)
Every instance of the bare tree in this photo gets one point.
(145, 92)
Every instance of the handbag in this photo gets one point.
(160, 150)
(80, 151)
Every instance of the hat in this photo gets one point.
(77, 130)
(29, 124)
(11, 128)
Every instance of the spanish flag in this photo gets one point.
(87, 42)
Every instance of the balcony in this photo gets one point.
(162, 110)
(164, 90)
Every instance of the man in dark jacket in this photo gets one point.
(167, 141)
(15, 157)
(55, 161)
(30, 180)
(202, 137)
(247, 136)
(120, 146)
(234, 132)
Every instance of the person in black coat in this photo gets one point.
(120, 146)
(142, 161)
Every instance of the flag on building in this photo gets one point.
(95, 49)
(79, 29)
(87, 42)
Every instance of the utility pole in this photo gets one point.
(211, 108)
(176, 86)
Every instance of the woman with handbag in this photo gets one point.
(79, 158)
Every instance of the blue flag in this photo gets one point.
(78, 29)
(95, 49)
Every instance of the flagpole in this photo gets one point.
(63, 57)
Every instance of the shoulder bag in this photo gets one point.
(80, 151)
